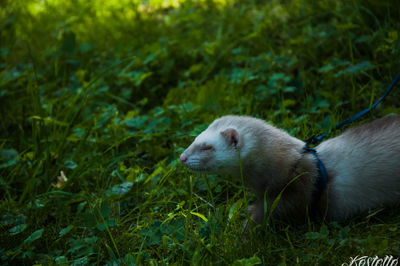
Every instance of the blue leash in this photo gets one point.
(317, 139)
(323, 176)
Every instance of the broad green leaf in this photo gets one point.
(70, 164)
(18, 229)
(136, 122)
(65, 230)
(312, 235)
(121, 189)
(234, 210)
(61, 260)
(354, 69)
(289, 89)
(34, 236)
(8, 157)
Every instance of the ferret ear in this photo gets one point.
(231, 137)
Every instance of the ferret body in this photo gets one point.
(362, 164)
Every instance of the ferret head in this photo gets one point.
(265, 151)
(216, 150)
(213, 151)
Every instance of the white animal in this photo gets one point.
(363, 166)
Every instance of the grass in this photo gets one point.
(99, 99)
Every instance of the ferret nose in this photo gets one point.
(183, 158)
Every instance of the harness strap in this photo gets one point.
(322, 178)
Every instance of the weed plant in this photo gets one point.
(99, 98)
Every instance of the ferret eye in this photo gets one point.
(207, 148)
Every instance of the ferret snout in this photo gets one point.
(183, 158)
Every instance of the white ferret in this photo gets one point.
(362, 165)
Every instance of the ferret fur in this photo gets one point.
(363, 165)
